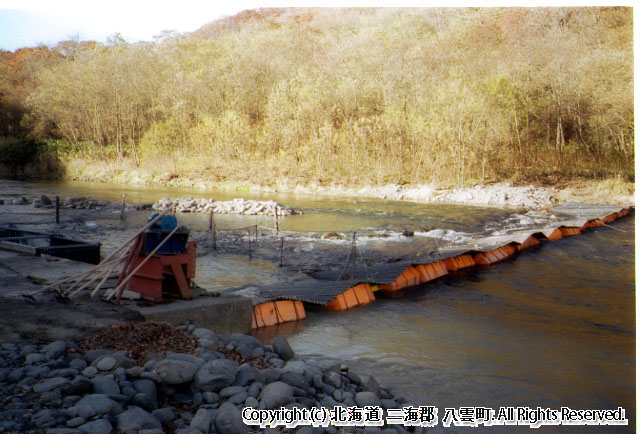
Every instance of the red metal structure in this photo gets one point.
(161, 275)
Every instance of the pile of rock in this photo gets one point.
(500, 194)
(60, 389)
(235, 206)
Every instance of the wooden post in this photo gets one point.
(122, 206)
(281, 251)
(215, 247)
(210, 219)
(277, 225)
(57, 209)
(249, 236)
(256, 234)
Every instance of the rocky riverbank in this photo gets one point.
(152, 378)
(236, 206)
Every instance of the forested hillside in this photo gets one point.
(347, 96)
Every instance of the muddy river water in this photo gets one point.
(552, 328)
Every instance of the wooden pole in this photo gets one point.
(57, 209)
(210, 220)
(215, 247)
(281, 251)
(122, 206)
(105, 260)
(249, 236)
(277, 225)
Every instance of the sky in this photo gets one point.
(28, 23)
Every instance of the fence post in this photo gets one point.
(277, 225)
(249, 237)
(281, 251)
(210, 219)
(124, 200)
(57, 209)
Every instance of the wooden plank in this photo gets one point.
(22, 248)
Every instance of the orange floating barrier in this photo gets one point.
(277, 312)
(569, 231)
(458, 262)
(354, 296)
(610, 218)
(555, 235)
(496, 255)
(593, 223)
(623, 212)
(530, 242)
(415, 275)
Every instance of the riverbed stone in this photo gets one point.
(173, 371)
(364, 399)
(282, 348)
(136, 418)
(50, 384)
(276, 394)
(54, 349)
(105, 386)
(164, 415)
(99, 426)
(229, 420)
(106, 363)
(34, 358)
(215, 375)
(202, 421)
(101, 404)
(296, 366)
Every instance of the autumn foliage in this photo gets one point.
(347, 96)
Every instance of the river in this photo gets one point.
(553, 327)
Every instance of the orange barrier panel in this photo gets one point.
(623, 212)
(530, 242)
(593, 223)
(458, 262)
(277, 312)
(415, 275)
(611, 217)
(569, 231)
(555, 235)
(496, 255)
(354, 296)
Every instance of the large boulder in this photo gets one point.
(276, 395)
(215, 374)
(172, 371)
(229, 420)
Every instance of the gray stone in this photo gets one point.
(202, 420)
(149, 392)
(50, 384)
(296, 366)
(295, 380)
(354, 378)
(151, 376)
(215, 375)
(34, 358)
(105, 386)
(282, 348)
(89, 371)
(60, 430)
(229, 420)
(198, 361)
(271, 375)
(277, 362)
(79, 386)
(172, 371)
(46, 418)
(75, 422)
(251, 402)
(136, 418)
(203, 333)
(164, 415)
(230, 391)
(238, 398)
(337, 395)
(211, 397)
(372, 430)
(257, 352)
(93, 355)
(317, 381)
(333, 379)
(68, 372)
(246, 375)
(367, 398)
(239, 339)
(100, 426)
(106, 363)
(101, 404)
(254, 389)
(54, 349)
(276, 395)
(371, 385)
(328, 402)
(389, 403)
(134, 372)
